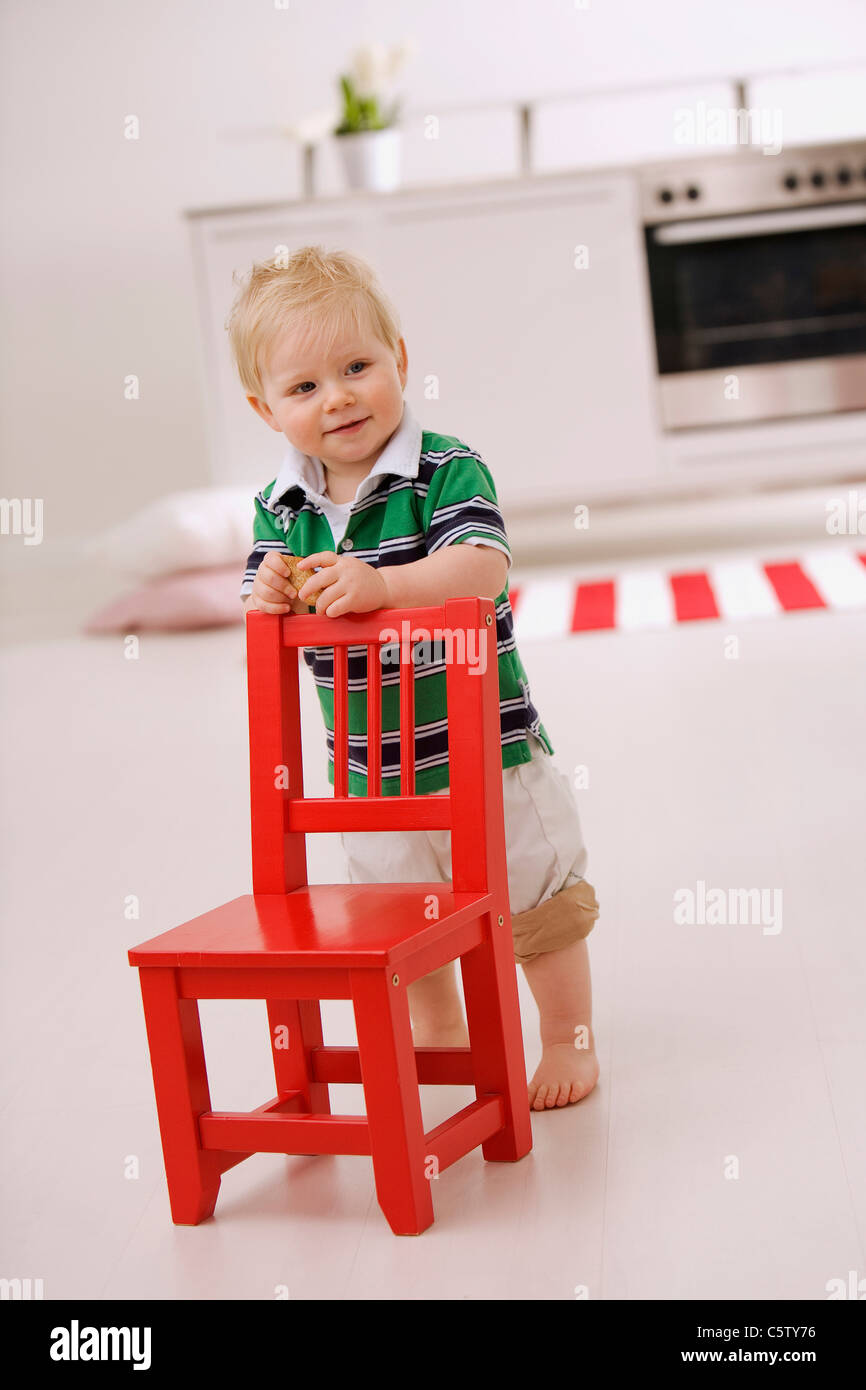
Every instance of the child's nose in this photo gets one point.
(339, 397)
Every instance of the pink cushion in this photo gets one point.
(179, 602)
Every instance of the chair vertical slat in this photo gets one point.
(374, 720)
(475, 755)
(407, 723)
(341, 721)
(276, 759)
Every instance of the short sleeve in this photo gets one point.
(267, 535)
(461, 507)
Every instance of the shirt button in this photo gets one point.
(348, 544)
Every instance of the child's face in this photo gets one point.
(308, 396)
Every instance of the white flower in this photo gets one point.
(374, 66)
(400, 55)
(369, 68)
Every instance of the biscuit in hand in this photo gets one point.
(297, 577)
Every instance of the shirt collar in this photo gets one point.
(401, 455)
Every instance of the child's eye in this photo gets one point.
(359, 363)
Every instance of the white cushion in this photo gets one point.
(200, 529)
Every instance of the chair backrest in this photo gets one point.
(472, 808)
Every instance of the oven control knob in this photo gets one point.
(843, 174)
(818, 179)
(692, 191)
(791, 181)
(665, 195)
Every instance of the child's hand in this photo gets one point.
(344, 584)
(273, 591)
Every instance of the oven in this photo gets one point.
(757, 279)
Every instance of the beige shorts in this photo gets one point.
(552, 904)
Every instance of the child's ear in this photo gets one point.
(403, 363)
(262, 408)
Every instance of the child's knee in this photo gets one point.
(568, 916)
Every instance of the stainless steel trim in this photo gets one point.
(760, 223)
(748, 181)
(771, 391)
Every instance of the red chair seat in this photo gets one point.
(332, 924)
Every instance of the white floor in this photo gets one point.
(723, 1152)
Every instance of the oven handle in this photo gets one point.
(760, 223)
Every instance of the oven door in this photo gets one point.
(760, 316)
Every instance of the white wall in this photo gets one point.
(96, 267)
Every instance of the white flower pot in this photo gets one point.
(371, 158)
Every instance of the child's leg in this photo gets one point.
(436, 1010)
(416, 856)
(561, 985)
(547, 862)
(544, 848)
(562, 988)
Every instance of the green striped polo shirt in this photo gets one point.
(425, 491)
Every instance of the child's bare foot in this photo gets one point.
(561, 984)
(564, 1075)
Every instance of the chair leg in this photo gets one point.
(182, 1094)
(393, 1101)
(296, 1028)
(496, 1040)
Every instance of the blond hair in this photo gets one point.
(328, 292)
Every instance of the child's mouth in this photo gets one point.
(350, 429)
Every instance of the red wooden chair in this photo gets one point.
(294, 944)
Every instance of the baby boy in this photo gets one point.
(388, 515)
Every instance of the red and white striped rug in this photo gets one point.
(832, 578)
